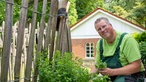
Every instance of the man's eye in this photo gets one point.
(104, 26)
(99, 29)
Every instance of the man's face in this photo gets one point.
(104, 29)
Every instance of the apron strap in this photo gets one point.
(120, 41)
(117, 48)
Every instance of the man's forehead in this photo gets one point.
(102, 22)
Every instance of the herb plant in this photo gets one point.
(98, 77)
(63, 68)
(100, 65)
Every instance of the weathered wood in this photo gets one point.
(30, 51)
(3, 27)
(68, 31)
(69, 44)
(64, 38)
(20, 39)
(40, 39)
(13, 49)
(51, 29)
(18, 48)
(63, 4)
(7, 41)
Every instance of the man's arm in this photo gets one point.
(126, 70)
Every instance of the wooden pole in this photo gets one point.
(40, 39)
(7, 41)
(64, 38)
(51, 29)
(68, 31)
(20, 38)
(30, 51)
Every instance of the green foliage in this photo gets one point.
(136, 35)
(2, 11)
(39, 10)
(87, 6)
(138, 13)
(132, 10)
(101, 65)
(64, 68)
(17, 8)
(125, 4)
(72, 12)
(141, 38)
(120, 11)
(143, 51)
(16, 12)
(61, 69)
(99, 78)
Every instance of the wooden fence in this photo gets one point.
(21, 42)
(13, 48)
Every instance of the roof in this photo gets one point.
(85, 29)
(105, 11)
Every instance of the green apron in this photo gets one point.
(113, 61)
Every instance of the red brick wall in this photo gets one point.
(78, 46)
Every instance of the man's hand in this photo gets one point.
(106, 71)
(93, 69)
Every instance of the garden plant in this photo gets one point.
(65, 68)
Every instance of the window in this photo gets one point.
(89, 50)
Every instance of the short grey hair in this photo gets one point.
(102, 18)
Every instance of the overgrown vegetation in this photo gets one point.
(99, 78)
(65, 68)
(141, 38)
(62, 69)
(101, 65)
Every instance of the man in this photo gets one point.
(120, 51)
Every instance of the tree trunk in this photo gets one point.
(7, 41)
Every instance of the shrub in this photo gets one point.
(62, 69)
(143, 51)
(141, 39)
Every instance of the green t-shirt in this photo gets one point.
(129, 49)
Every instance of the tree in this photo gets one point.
(87, 6)
(138, 13)
(2, 8)
(133, 10)
(72, 12)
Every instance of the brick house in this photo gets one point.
(84, 36)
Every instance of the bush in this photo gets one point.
(62, 69)
(143, 51)
(141, 39)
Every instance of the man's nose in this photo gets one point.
(102, 29)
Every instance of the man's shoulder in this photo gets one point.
(128, 39)
(126, 36)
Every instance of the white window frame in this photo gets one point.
(90, 51)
